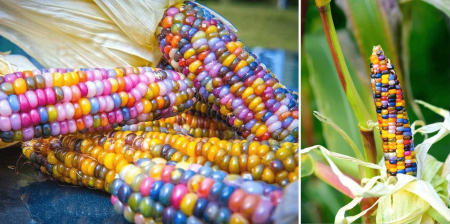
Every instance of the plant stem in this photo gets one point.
(365, 204)
(304, 8)
(370, 150)
(362, 115)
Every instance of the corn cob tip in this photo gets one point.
(377, 50)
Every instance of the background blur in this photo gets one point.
(269, 28)
(429, 68)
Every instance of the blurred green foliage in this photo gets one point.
(430, 81)
(261, 24)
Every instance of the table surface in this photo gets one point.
(26, 197)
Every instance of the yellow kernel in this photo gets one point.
(247, 92)
(229, 60)
(189, 53)
(231, 46)
(194, 65)
(211, 29)
(240, 65)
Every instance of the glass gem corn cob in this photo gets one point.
(44, 103)
(226, 75)
(395, 129)
(175, 192)
(157, 190)
(266, 161)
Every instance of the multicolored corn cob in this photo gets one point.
(54, 102)
(270, 162)
(159, 190)
(226, 75)
(393, 119)
(176, 192)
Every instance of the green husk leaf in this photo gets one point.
(436, 216)
(358, 72)
(321, 3)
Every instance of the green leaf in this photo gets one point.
(442, 5)
(369, 28)
(307, 165)
(325, 196)
(357, 68)
(331, 100)
(350, 142)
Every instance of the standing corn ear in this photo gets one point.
(393, 121)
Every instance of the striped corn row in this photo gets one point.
(44, 103)
(116, 149)
(236, 157)
(267, 161)
(227, 76)
(395, 130)
(116, 153)
(178, 192)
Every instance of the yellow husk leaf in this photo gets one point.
(85, 33)
(4, 65)
(8, 64)
(406, 199)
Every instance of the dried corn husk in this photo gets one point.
(12, 63)
(83, 33)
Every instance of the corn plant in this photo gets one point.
(367, 151)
